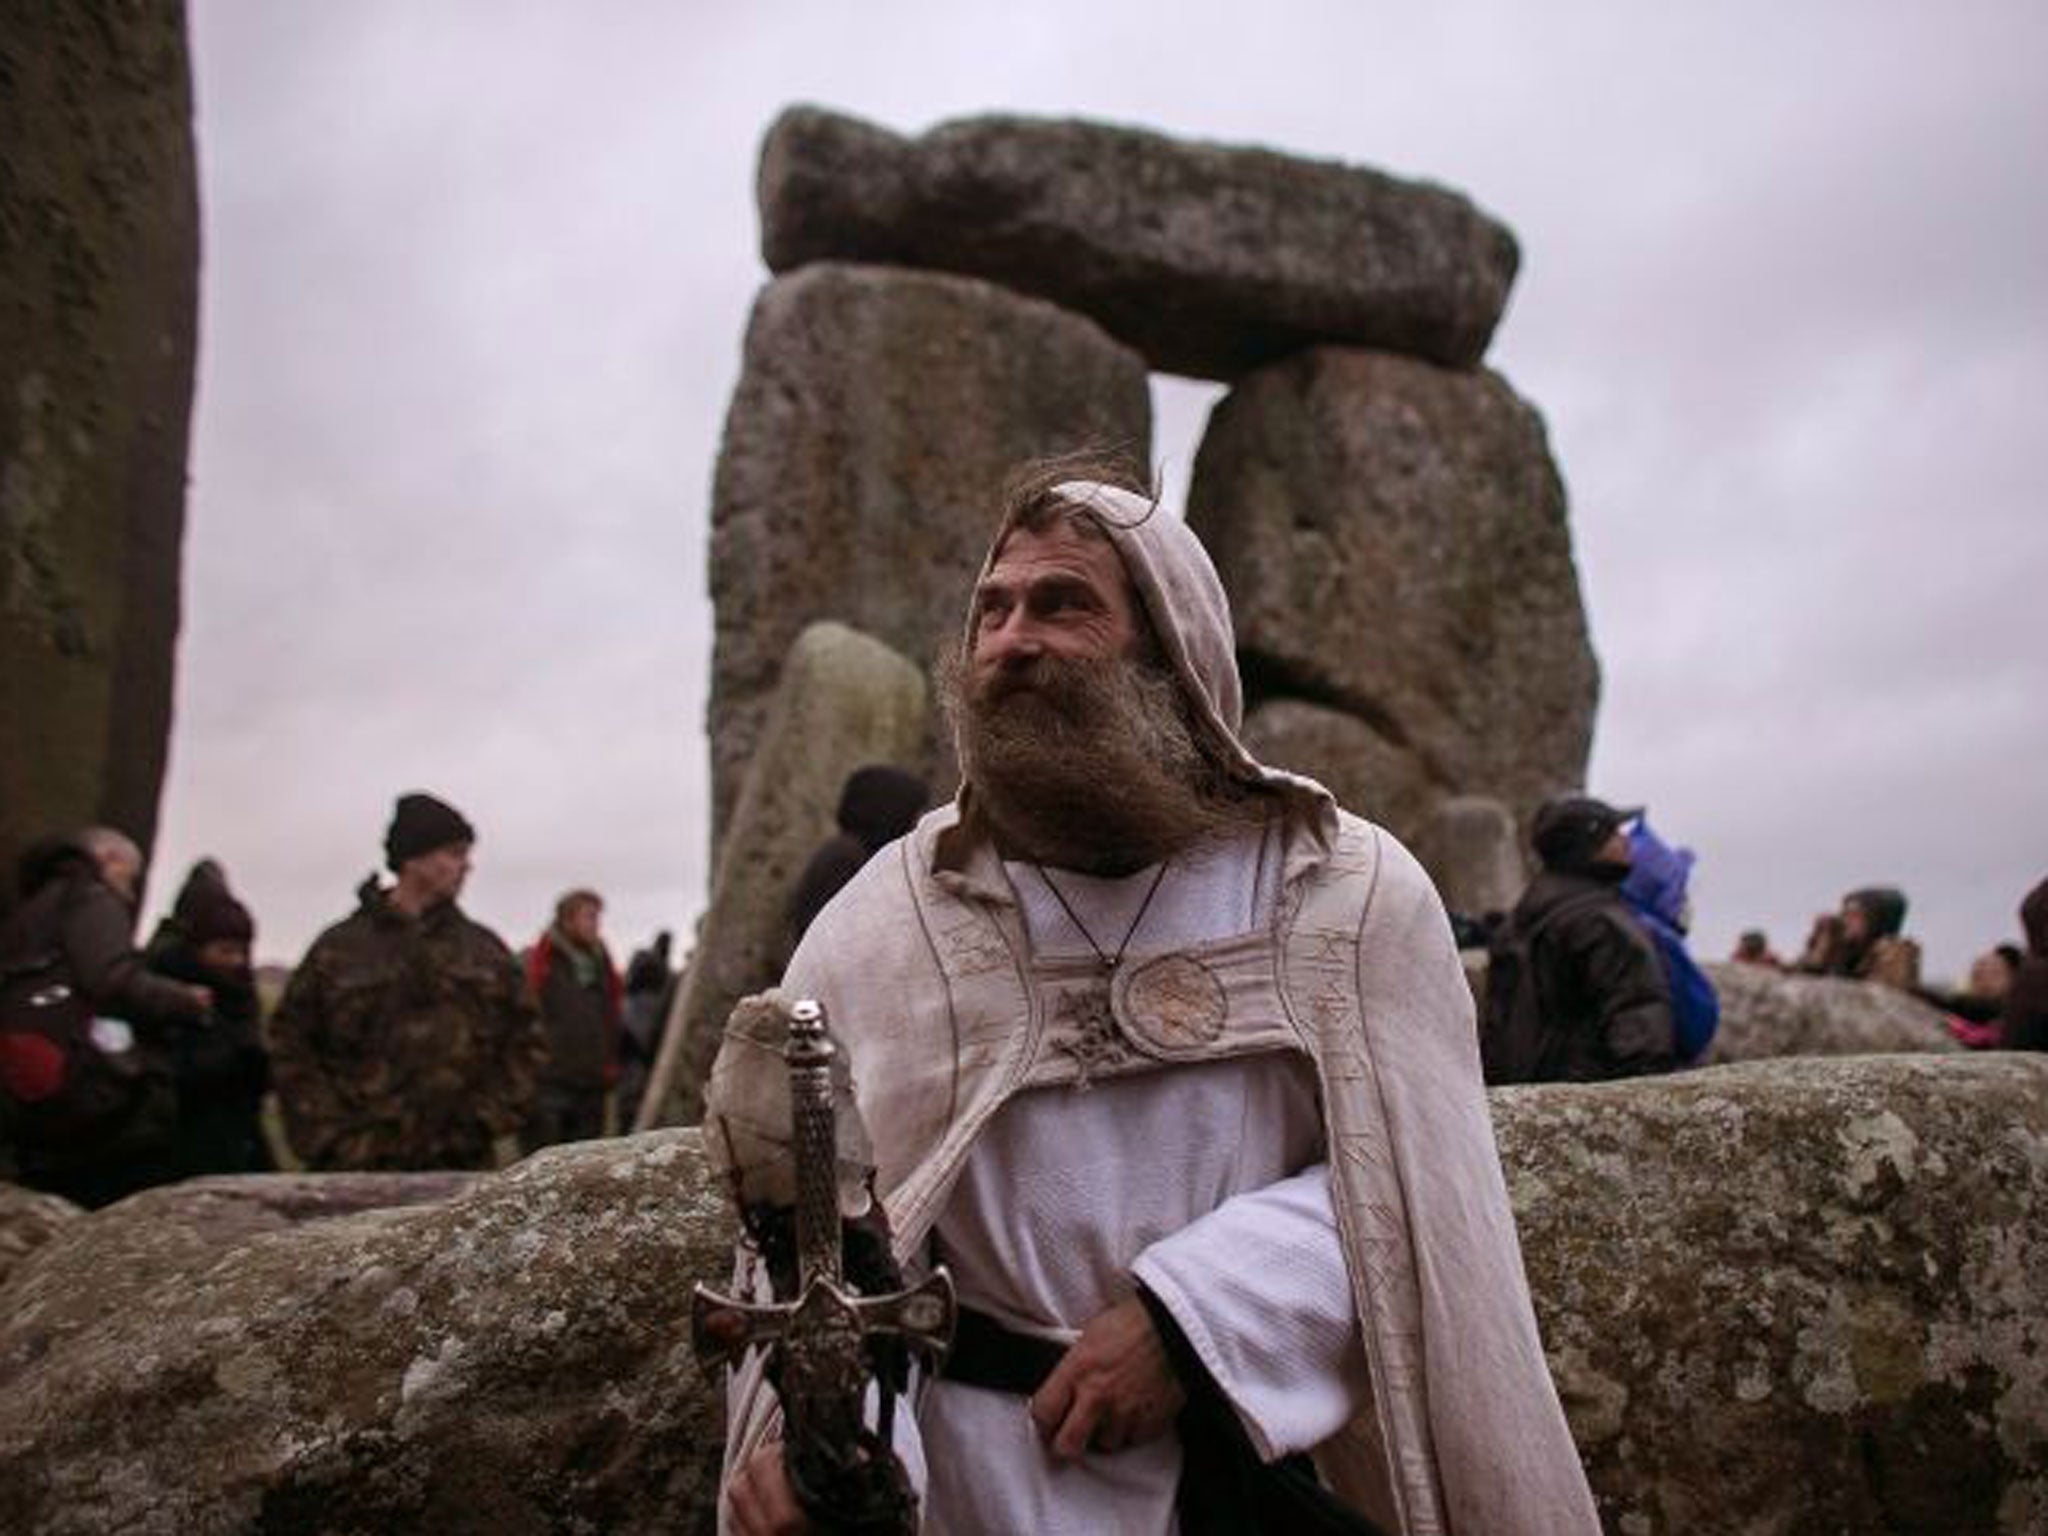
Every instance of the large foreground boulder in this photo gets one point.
(1797, 1296)
(1784, 1297)
(1393, 539)
(99, 294)
(28, 1219)
(1209, 260)
(876, 417)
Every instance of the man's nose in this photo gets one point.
(1016, 637)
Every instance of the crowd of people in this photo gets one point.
(408, 1037)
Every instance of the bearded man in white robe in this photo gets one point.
(1171, 1062)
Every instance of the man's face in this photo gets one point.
(439, 873)
(120, 868)
(581, 923)
(1616, 851)
(224, 957)
(1855, 923)
(1056, 594)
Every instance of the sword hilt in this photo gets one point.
(815, 1144)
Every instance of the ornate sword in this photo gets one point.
(823, 1346)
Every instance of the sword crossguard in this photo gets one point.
(722, 1328)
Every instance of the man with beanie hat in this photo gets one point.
(222, 1070)
(406, 1038)
(1575, 991)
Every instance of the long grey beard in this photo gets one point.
(1092, 766)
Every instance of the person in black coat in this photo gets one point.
(877, 805)
(223, 1070)
(1603, 1000)
(2024, 1019)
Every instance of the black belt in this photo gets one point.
(1225, 1489)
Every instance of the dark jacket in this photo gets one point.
(1604, 999)
(2024, 1019)
(222, 1070)
(580, 1008)
(404, 1042)
(877, 805)
(69, 911)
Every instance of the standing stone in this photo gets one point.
(1209, 260)
(876, 417)
(1472, 851)
(99, 283)
(845, 701)
(1393, 539)
(1369, 775)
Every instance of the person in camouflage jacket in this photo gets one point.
(406, 1038)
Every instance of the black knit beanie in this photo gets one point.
(420, 824)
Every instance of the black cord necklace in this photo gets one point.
(1107, 961)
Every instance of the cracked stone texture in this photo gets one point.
(877, 415)
(1394, 542)
(845, 700)
(28, 1220)
(1766, 1013)
(260, 1355)
(99, 292)
(1792, 1297)
(1796, 1297)
(1369, 775)
(1209, 259)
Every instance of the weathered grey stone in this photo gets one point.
(876, 417)
(845, 701)
(1473, 852)
(99, 266)
(513, 1359)
(1796, 1296)
(1369, 775)
(1766, 1013)
(1781, 1297)
(1210, 260)
(28, 1219)
(1393, 539)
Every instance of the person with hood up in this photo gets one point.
(1865, 941)
(1598, 1001)
(2023, 1022)
(877, 805)
(406, 1038)
(91, 1109)
(222, 1071)
(1655, 889)
(1171, 1061)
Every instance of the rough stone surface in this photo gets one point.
(1782, 1297)
(845, 701)
(1369, 775)
(512, 1359)
(1766, 1013)
(28, 1219)
(1796, 1297)
(1393, 539)
(99, 284)
(876, 417)
(1210, 260)
(1473, 852)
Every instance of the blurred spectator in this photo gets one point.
(577, 988)
(1865, 941)
(1754, 948)
(222, 1070)
(877, 805)
(406, 1038)
(650, 987)
(2023, 1021)
(1575, 989)
(87, 1030)
(1655, 889)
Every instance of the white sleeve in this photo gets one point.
(1260, 1289)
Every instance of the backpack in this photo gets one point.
(70, 1083)
(1514, 1046)
(1695, 1006)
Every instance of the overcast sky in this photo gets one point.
(476, 277)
